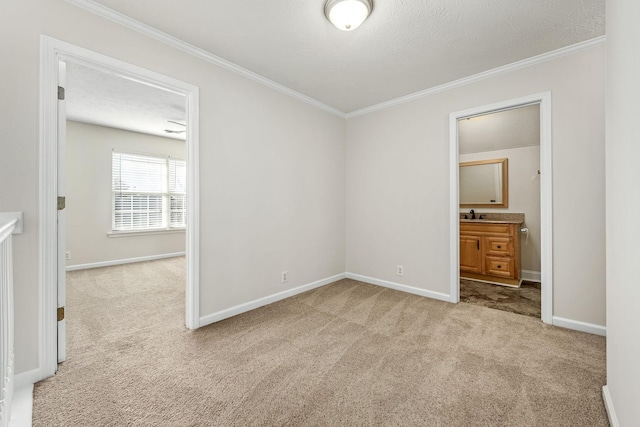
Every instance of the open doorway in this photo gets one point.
(125, 152)
(499, 191)
(493, 252)
(55, 54)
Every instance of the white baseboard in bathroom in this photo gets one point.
(400, 287)
(608, 405)
(580, 326)
(122, 261)
(251, 305)
(532, 276)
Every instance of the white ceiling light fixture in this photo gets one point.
(347, 15)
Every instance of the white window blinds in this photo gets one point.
(149, 192)
(178, 193)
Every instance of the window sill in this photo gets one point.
(144, 232)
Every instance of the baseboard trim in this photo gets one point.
(608, 405)
(579, 326)
(532, 276)
(22, 407)
(400, 287)
(260, 302)
(27, 378)
(123, 261)
(22, 404)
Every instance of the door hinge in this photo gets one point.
(60, 314)
(62, 202)
(60, 93)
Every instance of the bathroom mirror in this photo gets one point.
(484, 183)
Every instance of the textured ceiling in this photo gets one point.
(105, 99)
(404, 47)
(514, 128)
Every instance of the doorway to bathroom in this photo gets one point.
(499, 154)
(500, 206)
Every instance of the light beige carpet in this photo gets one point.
(347, 354)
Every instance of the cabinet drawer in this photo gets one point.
(502, 267)
(500, 246)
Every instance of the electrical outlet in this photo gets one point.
(285, 276)
(399, 270)
(67, 255)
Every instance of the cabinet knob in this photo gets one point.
(499, 247)
(499, 266)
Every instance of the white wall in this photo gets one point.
(271, 167)
(272, 173)
(623, 209)
(89, 197)
(524, 196)
(398, 182)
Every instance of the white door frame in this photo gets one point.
(52, 51)
(546, 194)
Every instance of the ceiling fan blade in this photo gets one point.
(176, 123)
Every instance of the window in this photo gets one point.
(149, 192)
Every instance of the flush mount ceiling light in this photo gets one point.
(347, 15)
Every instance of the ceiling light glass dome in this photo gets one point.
(347, 15)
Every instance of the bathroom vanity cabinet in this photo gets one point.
(490, 251)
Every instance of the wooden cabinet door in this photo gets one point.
(470, 254)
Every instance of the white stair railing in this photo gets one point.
(7, 227)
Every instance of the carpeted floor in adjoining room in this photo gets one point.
(524, 300)
(341, 355)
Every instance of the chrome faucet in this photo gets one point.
(473, 214)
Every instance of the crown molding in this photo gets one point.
(190, 49)
(548, 56)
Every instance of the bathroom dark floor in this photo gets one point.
(523, 300)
